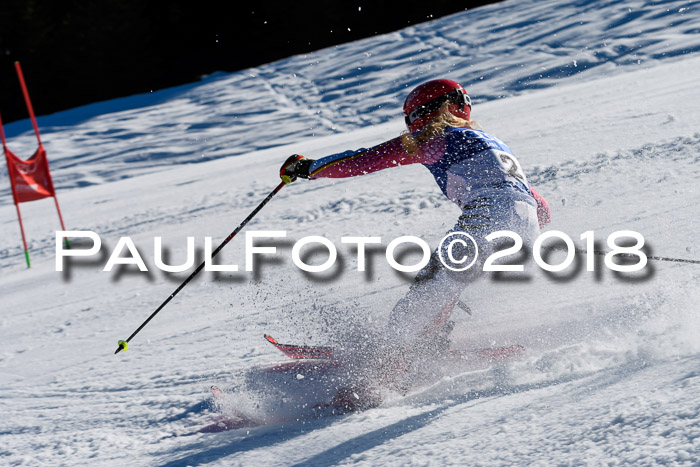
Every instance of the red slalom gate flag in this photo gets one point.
(30, 179)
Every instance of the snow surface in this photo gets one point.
(599, 101)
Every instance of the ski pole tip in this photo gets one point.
(123, 345)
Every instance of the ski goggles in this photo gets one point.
(457, 97)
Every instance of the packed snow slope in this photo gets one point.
(597, 99)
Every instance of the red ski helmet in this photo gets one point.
(425, 100)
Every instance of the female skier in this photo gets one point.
(475, 170)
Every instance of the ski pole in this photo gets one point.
(124, 345)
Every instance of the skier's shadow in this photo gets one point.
(367, 441)
(277, 434)
(262, 438)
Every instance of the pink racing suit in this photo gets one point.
(480, 174)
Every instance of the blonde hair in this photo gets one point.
(411, 143)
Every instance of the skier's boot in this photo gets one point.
(435, 344)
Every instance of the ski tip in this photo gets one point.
(270, 338)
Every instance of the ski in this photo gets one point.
(223, 423)
(327, 352)
(302, 351)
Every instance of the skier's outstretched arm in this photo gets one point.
(351, 163)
